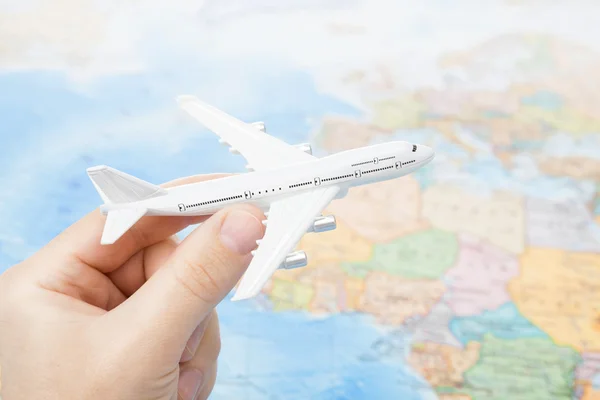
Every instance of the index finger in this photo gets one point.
(82, 239)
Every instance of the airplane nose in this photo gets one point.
(426, 153)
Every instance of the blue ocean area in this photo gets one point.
(506, 322)
(294, 355)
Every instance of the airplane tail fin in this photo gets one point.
(116, 187)
(118, 222)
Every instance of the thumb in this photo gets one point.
(197, 276)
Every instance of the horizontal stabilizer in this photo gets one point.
(118, 187)
(118, 222)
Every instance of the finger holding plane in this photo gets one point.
(81, 241)
(142, 265)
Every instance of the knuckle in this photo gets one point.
(140, 237)
(202, 279)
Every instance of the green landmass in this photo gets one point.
(422, 255)
(520, 369)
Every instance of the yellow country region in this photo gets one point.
(393, 299)
(598, 219)
(332, 289)
(323, 290)
(397, 211)
(500, 218)
(355, 288)
(559, 292)
(340, 245)
(402, 112)
(287, 295)
(322, 286)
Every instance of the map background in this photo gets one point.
(435, 293)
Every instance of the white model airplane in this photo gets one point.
(288, 183)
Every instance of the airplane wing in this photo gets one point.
(261, 150)
(287, 222)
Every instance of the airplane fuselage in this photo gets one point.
(345, 169)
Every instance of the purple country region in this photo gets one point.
(589, 366)
(477, 282)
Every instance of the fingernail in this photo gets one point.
(240, 231)
(190, 383)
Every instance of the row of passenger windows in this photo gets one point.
(300, 184)
(216, 201)
(408, 162)
(378, 169)
(337, 177)
(373, 161)
(362, 163)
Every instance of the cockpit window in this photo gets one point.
(414, 148)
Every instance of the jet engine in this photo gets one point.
(323, 224)
(293, 260)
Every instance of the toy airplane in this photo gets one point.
(288, 183)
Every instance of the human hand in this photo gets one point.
(132, 320)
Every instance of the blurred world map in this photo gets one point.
(478, 277)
